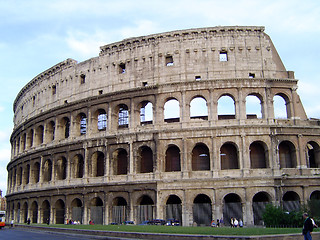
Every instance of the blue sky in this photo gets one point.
(37, 34)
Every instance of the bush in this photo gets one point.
(274, 216)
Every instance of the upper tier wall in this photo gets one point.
(178, 56)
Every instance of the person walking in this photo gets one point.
(307, 227)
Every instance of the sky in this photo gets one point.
(36, 34)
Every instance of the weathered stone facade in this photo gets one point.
(94, 140)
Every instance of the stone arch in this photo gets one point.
(34, 212)
(80, 124)
(24, 212)
(174, 208)
(59, 211)
(97, 164)
(50, 131)
(229, 156)
(202, 210)
(45, 211)
(23, 141)
(173, 161)
(258, 155)
(120, 210)
(65, 128)
(259, 202)
(77, 169)
(254, 107)
(171, 110)
(77, 210)
(61, 168)
(313, 154)
(96, 210)
(100, 119)
(39, 135)
(19, 175)
(36, 172)
(232, 208)
(314, 203)
(226, 107)
(47, 170)
(287, 155)
(146, 112)
(200, 157)
(291, 201)
(281, 106)
(123, 116)
(120, 161)
(26, 174)
(30, 138)
(145, 208)
(199, 108)
(145, 160)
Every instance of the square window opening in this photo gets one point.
(169, 61)
(122, 68)
(54, 89)
(100, 92)
(82, 79)
(252, 75)
(223, 57)
(197, 78)
(145, 84)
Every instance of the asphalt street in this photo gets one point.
(23, 234)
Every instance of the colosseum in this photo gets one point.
(159, 127)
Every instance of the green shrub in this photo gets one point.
(274, 216)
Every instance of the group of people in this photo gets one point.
(235, 223)
(70, 221)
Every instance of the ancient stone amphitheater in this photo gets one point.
(160, 127)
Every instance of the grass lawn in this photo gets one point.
(247, 231)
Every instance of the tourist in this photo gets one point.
(307, 227)
(240, 223)
(235, 222)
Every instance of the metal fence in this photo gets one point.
(119, 214)
(202, 213)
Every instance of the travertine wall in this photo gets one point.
(80, 140)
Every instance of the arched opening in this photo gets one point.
(60, 212)
(229, 156)
(146, 113)
(45, 212)
(47, 171)
(23, 141)
(258, 155)
(173, 162)
(61, 168)
(96, 210)
(313, 155)
(78, 166)
(77, 210)
(34, 212)
(18, 213)
(259, 202)
(36, 172)
(98, 163)
(119, 210)
(199, 108)
(25, 212)
(172, 111)
(50, 131)
(102, 120)
(200, 158)
(145, 210)
(281, 106)
(226, 108)
(291, 201)
(83, 123)
(202, 210)
(253, 106)
(26, 174)
(145, 162)
(232, 208)
(120, 161)
(287, 155)
(123, 116)
(174, 209)
(39, 135)
(30, 139)
(314, 203)
(19, 175)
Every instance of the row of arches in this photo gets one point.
(119, 209)
(80, 122)
(145, 161)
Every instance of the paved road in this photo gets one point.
(18, 233)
